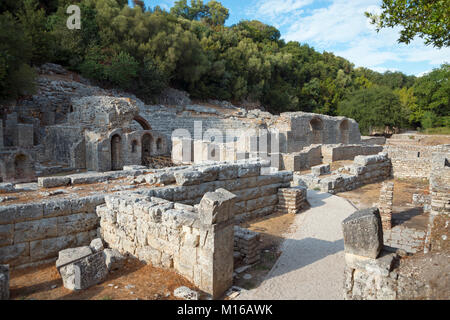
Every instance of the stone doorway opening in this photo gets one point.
(116, 156)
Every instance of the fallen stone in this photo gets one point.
(185, 293)
(113, 259)
(84, 273)
(70, 255)
(363, 233)
(96, 245)
(247, 276)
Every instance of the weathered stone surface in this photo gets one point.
(185, 293)
(96, 245)
(70, 255)
(85, 272)
(113, 259)
(4, 282)
(363, 233)
(52, 182)
(215, 207)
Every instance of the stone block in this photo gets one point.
(113, 259)
(70, 255)
(4, 282)
(321, 170)
(363, 233)
(216, 207)
(96, 245)
(84, 273)
(52, 182)
(35, 230)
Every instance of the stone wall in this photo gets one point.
(406, 238)
(364, 170)
(305, 159)
(333, 153)
(247, 244)
(197, 242)
(366, 140)
(409, 159)
(34, 233)
(291, 200)
(438, 225)
(385, 204)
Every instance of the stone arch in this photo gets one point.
(147, 146)
(116, 152)
(316, 126)
(344, 128)
(144, 123)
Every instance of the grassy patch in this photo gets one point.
(440, 130)
(106, 298)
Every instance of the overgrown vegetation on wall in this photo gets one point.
(144, 50)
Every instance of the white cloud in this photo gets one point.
(342, 28)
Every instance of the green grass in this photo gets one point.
(440, 130)
(107, 298)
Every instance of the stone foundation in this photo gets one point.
(291, 200)
(247, 243)
(385, 204)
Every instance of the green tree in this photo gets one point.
(16, 75)
(375, 107)
(428, 19)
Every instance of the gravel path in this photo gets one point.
(312, 263)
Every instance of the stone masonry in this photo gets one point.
(246, 242)
(196, 241)
(291, 200)
(385, 204)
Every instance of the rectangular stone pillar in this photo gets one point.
(215, 211)
(385, 204)
(291, 200)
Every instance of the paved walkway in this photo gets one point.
(312, 263)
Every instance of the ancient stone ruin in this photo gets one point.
(90, 176)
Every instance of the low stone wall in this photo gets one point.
(385, 204)
(246, 243)
(408, 239)
(364, 170)
(340, 152)
(305, 159)
(34, 233)
(291, 200)
(367, 140)
(197, 242)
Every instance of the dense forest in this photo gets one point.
(144, 50)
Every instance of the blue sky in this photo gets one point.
(337, 26)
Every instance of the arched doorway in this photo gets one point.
(116, 148)
(316, 126)
(147, 146)
(343, 128)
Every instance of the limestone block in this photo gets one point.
(70, 255)
(162, 178)
(4, 282)
(29, 211)
(249, 170)
(216, 207)
(363, 233)
(35, 230)
(84, 273)
(49, 248)
(52, 182)
(15, 254)
(113, 259)
(96, 245)
(57, 207)
(75, 223)
(321, 170)
(6, 234)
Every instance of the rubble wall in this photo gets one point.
(333, 153)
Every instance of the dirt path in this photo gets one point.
(312, 263)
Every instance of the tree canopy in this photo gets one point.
(143, 50)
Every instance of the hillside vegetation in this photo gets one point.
(144, 50)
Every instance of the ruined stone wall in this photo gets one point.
(333, 153)
(364, 170)
(197, 242)
(305, 159)
(34, 233)
(438, 225)
(247, 244)
(406, 238)
(409, 159)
